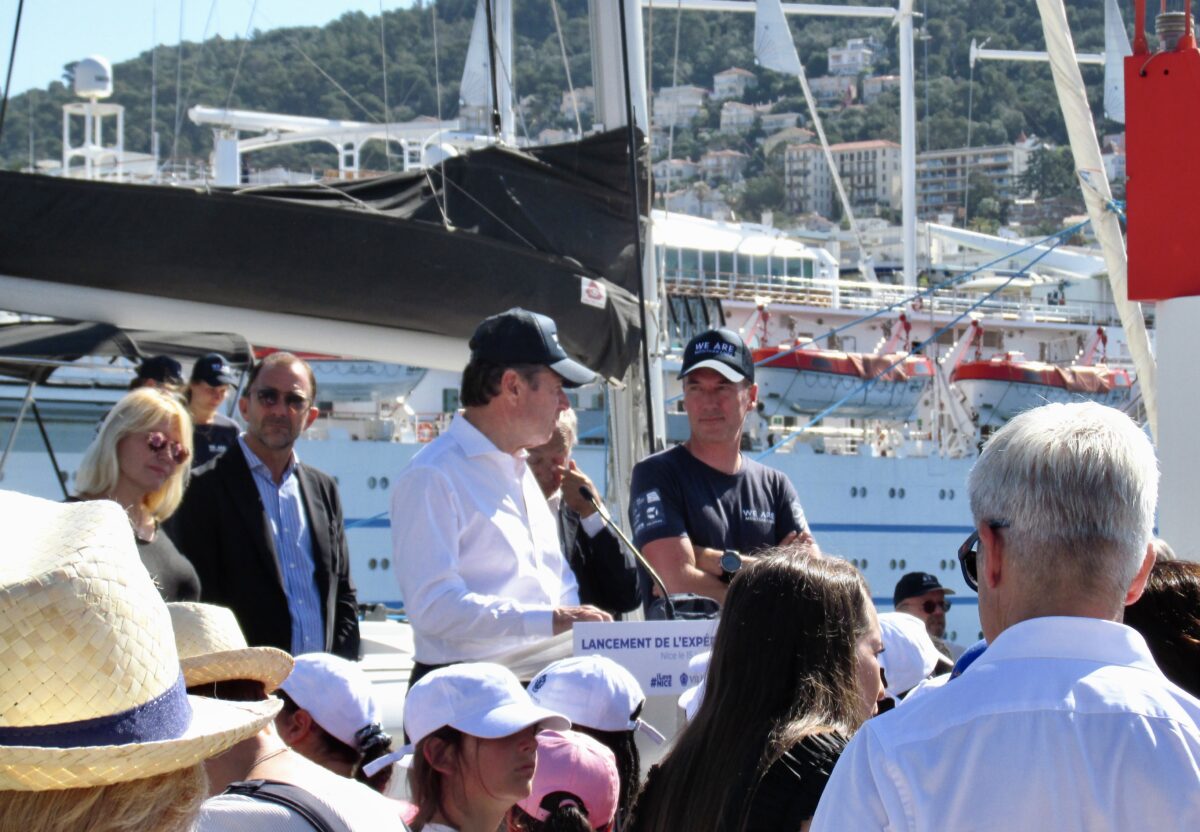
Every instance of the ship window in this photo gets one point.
(372, 563)
(903, 563)
(865, 563)
(794, 266)
(854, 491)
(941, 494)
(901, 493)
(892, 563)
(758, 266)
(710, 263)
(809, 267)
(383, 482)
(672, 260)
(891, 493)
(725, 262)
(951, 493)
(370, 482)
(863, 491)
(385, 564)
(691, 262)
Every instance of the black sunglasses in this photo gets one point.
(930, 607)
(968, 554)
(269, 397)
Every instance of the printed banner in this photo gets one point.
(655, 652)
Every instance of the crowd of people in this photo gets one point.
(180, 643)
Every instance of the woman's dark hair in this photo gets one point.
(371, 746)
(566, 814)
(1168, 617)
(426, 785)
(783, 667)
(629, 764)
(481, 380)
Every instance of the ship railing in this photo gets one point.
(827, 293)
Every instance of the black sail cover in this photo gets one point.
(547, 229)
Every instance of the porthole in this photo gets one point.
(863, 491)
(903, 563)
(383, 482)
(901, 493)
(372, 563)
(951, 493)
(866, 563)
(892, 563)
(371, 482)
(941, 493)
(854, 491)
(386, 564)
(891, 493)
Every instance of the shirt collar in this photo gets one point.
(474, 442)
(1058, 637)
(257, 464)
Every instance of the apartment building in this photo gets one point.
(677, 106)
(877, 85)
(733, 83)
(942, 175)
(737, 117)
(834, 90)
(870, 173)
(723, 165)
(856, 57)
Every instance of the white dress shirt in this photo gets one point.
(1062, 724)
(476, 550)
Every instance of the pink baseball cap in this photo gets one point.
(582, 768)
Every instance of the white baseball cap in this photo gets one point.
(595, 692)
(908, 653)
(478, 698)
(336, 692)
(689, 700)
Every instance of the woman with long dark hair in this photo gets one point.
(793, 674)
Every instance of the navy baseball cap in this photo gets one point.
(519, 336)
(916, 583)
(161, 368)
(213, 369)
(722, 350)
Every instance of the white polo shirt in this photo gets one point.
(476, 550)
(1062, 724)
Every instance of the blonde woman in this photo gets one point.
(139, 461)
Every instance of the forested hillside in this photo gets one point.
(337, 71)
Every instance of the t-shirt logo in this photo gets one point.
(647, 510)
(758, 516)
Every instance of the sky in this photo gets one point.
(56, 32)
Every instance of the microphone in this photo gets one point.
(587, 494)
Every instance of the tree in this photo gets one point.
(1051, 173)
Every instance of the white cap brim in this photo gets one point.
(725, 370)
(643, 727)
(507, 720)
(573, 373)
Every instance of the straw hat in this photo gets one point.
(212, 648)
(91, 688)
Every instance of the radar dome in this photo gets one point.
(93, 77)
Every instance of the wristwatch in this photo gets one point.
(731, 562)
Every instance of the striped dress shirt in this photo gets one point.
(284, 507)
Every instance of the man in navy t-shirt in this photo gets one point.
(700, 509)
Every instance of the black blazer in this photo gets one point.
(606, 572)
(221, 527)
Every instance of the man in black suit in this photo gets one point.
(265, 532)
(606, 572)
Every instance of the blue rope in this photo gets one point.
(869, 383)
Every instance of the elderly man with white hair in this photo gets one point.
(1065, 722)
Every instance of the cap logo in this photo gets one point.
(538, 684)
(714, 348)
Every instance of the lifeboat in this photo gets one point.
(1007, 384)
(809, 381)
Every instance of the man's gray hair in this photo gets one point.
(1078, 485)
(568, 426)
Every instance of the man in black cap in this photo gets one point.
(475, 547)
(213, 432)
(700, 509)
(922, 595)
(161, 371)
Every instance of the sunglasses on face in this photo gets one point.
(968, 554)
(269, 397)
(930, 607)
(156, 442)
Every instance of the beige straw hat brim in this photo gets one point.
(216, 726)
(268, 665)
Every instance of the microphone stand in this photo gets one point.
(587, 494)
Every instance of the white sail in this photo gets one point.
(773, 44)
(476, 87)
(1072, 99)
(775, 49)
(1116, 49)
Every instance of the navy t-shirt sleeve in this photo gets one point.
(655, 509)
(789, 516)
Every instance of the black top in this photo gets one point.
(210, 441)
(606, 572)
(173, 574)
(674, 494)
(785, 797)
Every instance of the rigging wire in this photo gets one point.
(443, 205)
(241, 54)
(212, 8)
(387, 116)
(562, 47)
(671, 127)
(178, 81)
(12, 55)
(494, 116)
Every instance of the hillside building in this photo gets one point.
(699, 201)
(733, 83)
(870, 173)
(723, 165)
(677, 106)
(857, 57)
(790, 135)
(584, 98)
(834, 90)
(877, 85)
(737, 117)
(942, 175)
(774, 122)
(673, 171)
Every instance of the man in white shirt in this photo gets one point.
(1065, 722)
(476, 549)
